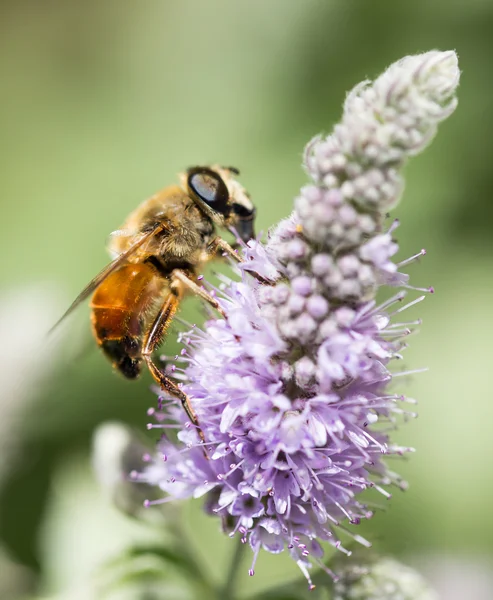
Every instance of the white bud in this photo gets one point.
(380, 579)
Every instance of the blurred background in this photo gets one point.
(102, 104)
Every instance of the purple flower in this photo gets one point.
(291, 389)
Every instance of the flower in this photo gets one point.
(291, 389)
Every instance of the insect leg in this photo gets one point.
(151, 341)
(197, 290)
(218, 244)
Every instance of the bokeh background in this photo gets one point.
(102, 104)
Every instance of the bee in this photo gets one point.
(158, 255)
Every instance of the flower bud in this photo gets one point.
(380, 579)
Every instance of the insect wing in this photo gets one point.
(108, 270)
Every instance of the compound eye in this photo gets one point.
(211, 189)
(243, 211)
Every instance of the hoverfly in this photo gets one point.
(158, 255)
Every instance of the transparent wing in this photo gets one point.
(102, 275)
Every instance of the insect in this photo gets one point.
(158, 255)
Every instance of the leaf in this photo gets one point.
(170, 556)
(144, 565)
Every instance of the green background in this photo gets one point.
(103, 103)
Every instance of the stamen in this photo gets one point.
(382, 491)
(356, 537)
(251, 570)
(408, 400)
(326, 569)
(165, 500)
(404, 324)
(396, 332)
(150, 426)
(411, 259)
(338, 546)
(410, 372)
(383, 447)
(395, 224)
(408, 305)
(304, 570)
(222, 507)
(406, 413)
(428, 290)
(232, 470)
(393, 300)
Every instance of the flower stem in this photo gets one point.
(228, 591)
(180, 534)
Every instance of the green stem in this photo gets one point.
(228, 591)
(179, 533)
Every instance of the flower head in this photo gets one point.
(292, 388)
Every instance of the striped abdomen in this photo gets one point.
(118, 309)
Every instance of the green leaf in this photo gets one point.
(172, 556)
(145, 565)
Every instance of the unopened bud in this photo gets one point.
(363, 578)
